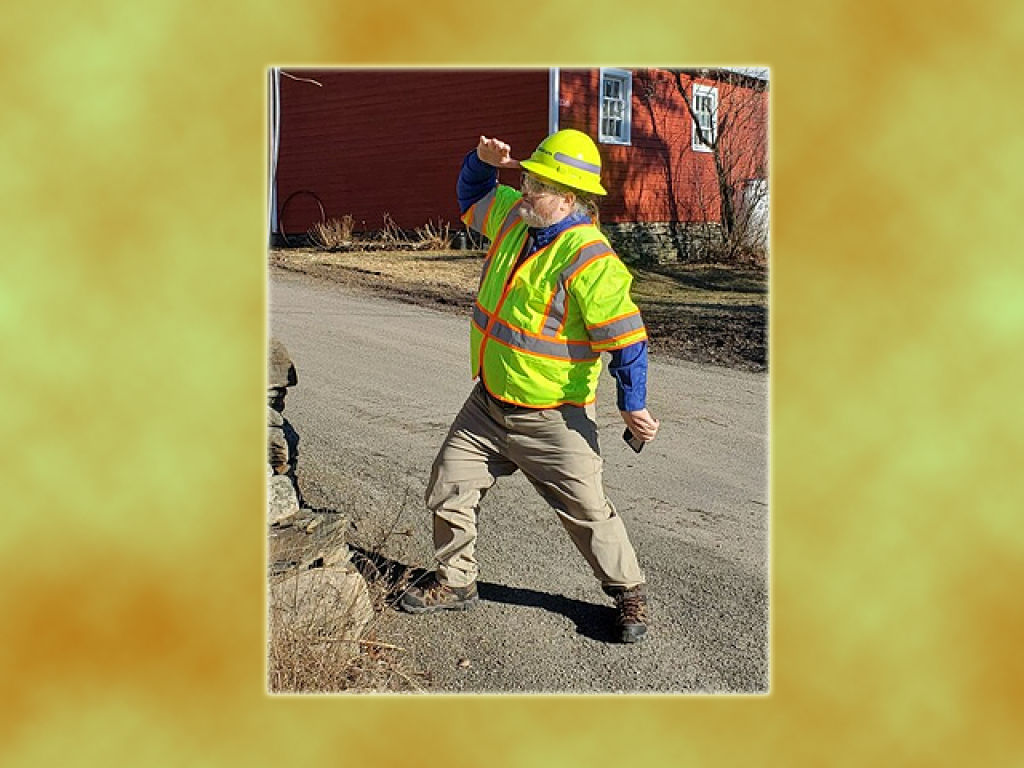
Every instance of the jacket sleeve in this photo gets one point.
(476, 179)
(628, 367)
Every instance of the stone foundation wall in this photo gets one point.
(656, 243)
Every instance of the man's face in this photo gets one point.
(543, 204)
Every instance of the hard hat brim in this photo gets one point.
(539, 169)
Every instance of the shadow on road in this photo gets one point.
(592, 620)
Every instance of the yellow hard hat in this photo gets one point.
(568, 157)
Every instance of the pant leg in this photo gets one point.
(467, 465)
(557, 449)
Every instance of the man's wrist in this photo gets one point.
(630, 402)
(479, 165)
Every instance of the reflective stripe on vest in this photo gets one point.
(510, 221)
(475, 216)
(616, 328)
(519, 338)
(556, 309)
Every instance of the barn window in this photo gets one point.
(616, 106)
(705, 106)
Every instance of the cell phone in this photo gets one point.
(632, 440)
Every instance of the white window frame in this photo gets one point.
(700, 92)
(625, 99)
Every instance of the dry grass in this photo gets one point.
(326, 652)
(455, 270)
(332, 234)
(699, 284)
(434, 237)
(338, 235)
(391, 235)
(328, 622)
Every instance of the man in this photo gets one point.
(553, 296)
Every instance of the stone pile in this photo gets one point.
(313, 584)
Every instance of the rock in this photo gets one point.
(323, 604)
(278, 454)
(280, 369)
(275, 398)
(336, 555)
(274, 418)
(308, 539)
(280, 375)
(282, 501)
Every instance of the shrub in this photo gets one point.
(434, 237)
(333, 234)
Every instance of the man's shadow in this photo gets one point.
(592, 621)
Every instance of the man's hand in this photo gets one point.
(495, 152)
(641, 424)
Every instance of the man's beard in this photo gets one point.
(534, 219)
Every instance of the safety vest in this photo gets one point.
(541, 322)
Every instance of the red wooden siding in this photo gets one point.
(658, 177)
(369, 142)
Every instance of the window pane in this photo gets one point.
(614, 107)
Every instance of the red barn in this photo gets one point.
(684, 151)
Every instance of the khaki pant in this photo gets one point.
(557, 450)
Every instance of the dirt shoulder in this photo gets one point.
(703, 313)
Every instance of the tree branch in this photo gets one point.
(302, 79)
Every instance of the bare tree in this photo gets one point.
(738, 139)
(729, 118)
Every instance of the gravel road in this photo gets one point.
(379, 383)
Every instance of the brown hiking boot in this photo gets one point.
(435, 596)
(631, 621)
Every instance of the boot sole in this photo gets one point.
(463, 605)
(632, 638)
